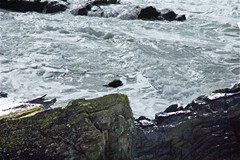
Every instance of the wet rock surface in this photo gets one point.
(151, 13)
(100, 128)
(103, 128)
(208, 128)
(93, 8)
(3, 94)
(34, 5)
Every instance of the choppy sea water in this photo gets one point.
(163, 62)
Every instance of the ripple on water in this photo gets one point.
(68, 56)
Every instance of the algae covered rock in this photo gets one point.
(99, 128)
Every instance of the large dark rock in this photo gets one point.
(208, 128)
(149, 13)
(96, 129)
(82, 11)
(37, 6)
(3, 94)
(104, 2)
(103, 128)
(168, 14)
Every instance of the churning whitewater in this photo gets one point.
(69, 57)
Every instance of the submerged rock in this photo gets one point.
(3, 94)
(93, 8)
(149, 13)
(100, 128)
(34, 5)
(86, 8)
(104, 2)
(114, 84)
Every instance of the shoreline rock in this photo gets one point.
(91, 8)
(34, 5)
(208, 128)
(146, 13)
(104, 128)
(100, 128)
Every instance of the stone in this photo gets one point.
(103, 128)
(83, 10)
(180, 18)
(144, 122)
(234, 89)
(148, 13)
(3, 94)
(92, 8)
(204, 129)
(80, 11)
(54, 7)
(30, 6)
(104, 2)
(115, 83)
(172, 108)
(168, 14)
(100, 128)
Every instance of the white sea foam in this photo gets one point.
(69, 57)
(238, 25)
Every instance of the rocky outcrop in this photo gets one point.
(103, 128)
(93, 8)
(100, 128)
(151, 13)
(34, 5)
(206, 129)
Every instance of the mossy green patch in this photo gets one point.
(84, 129)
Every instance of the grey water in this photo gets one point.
(70, 57)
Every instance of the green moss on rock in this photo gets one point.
(100, 128)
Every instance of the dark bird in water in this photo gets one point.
(114, 84)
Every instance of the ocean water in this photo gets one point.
(69, 57)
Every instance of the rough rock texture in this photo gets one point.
(34, 5)
(90, 8)
(103, 128)
(93, 8)
(100, 128)
(206, 129)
